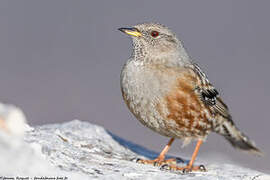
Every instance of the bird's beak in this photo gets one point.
(131, 31)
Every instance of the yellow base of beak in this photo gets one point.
(131, 31)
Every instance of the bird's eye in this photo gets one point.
(154, 34)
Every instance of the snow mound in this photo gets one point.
(81, 150)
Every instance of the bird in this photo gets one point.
(168, 92)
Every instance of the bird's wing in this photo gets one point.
(208, 93)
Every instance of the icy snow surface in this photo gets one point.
(82, 149)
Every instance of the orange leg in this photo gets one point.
(190, 166)
(161, 158)
(194, 155)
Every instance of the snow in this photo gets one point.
(14, 119)
(81, 150)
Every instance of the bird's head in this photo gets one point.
(154, 41)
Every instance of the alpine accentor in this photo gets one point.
(170, 94)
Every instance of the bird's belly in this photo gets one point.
(144, 109)
(142, 92)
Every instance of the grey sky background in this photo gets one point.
(61, 60)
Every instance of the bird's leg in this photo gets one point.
(190, 166)
(161, 158)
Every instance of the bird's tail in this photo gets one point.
(238, 139)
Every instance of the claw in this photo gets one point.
(138, 160)
(186, 170)
(165, 167)
(202, 168)
(156, 164)
(133, 159)
(170, 164)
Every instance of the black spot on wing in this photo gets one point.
(209, 96)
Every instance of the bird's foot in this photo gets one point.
(185, 169)
(157, 161)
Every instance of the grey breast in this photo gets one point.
(143, 88)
